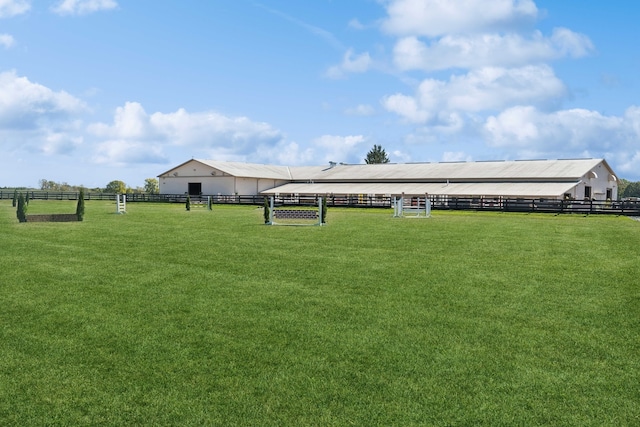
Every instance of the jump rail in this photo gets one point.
(295, 214)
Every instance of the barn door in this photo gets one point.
(195, 188)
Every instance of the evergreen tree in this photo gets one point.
(21, 212)
(15, 198)
(376, 155)
(209, 203)
(188, 204)
(267, 213)
(80, 206)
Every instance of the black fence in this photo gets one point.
(622, 207)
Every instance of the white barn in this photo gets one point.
(578, 179)
(210, 177)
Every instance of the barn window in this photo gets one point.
(587, 192)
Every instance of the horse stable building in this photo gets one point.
(567, 179)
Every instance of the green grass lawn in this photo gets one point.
(167, 317)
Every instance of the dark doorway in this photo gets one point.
(195, 188)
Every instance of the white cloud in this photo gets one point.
(407, 107)
(485, 89)
(24, 104)
(508, 50)
(350, 64)
(433, 18)
(356, 24)
(361, 110)
(335, 148)
(9, 8)
(233, 138)
(399, 156)
(283, 153)
(121, 152)
(83, 7)
(130, 122)
(214, 129)
(571, 44)
(36, 119)
(456, 156)
(60, 143)
(628, 162)
(444, 128)
(570, 131)
(7, 40)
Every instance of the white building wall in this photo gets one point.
(217, 185)
(172, 185)
(602, 183)
(210, 185)
(267, 184)
(246, 186)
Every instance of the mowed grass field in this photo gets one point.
(167, 317)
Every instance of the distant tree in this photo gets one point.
(188, 203)
(15, 198)
(376, 155)
(57, 186)
(151, 186)
(80, 206)
(632, 189)
(44, 184)
(622, 184)
(116, 187)
(21, 211)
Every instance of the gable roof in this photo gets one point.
(518, 170)
(250, 170)
(513, 170)
(255, 170)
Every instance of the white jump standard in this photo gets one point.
(121, 203)
(411, 207)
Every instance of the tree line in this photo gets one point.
(628, 189)
(151, 186)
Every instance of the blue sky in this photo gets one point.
(97, 90)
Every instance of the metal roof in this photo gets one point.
(255, 170)
(552, 170)
(518, 170)
(469, 189)
(250, 170)
(519, 178)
